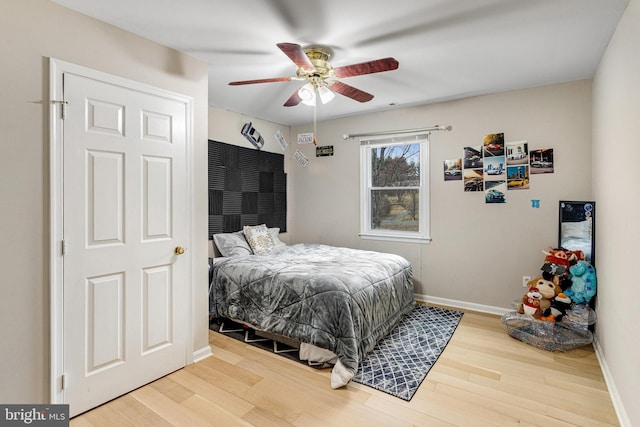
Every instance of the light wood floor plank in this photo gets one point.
(484, 377)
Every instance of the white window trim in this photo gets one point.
(366, 232)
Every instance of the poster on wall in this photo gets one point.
(541, 161)
(517, 153)
(473, 180)
(518, 177)
(494, 168)
(495, 191)
(452, 170)
(493, 145)
(472, 158)
(472, 169)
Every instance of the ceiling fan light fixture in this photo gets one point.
(326, 95)
(307, 94)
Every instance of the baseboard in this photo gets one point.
(202, 354)
(464, 305)
(623, 418)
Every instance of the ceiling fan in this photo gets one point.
(314, 68)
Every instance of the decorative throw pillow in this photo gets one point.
(259, 238)
(274, 235)
(232, 244)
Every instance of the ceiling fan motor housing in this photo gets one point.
(319, 57)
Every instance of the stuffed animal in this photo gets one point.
(559, 307)
(583, 282)
(530, 304)
(547, 289)
(556, 261)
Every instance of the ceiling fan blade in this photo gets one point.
(350, 91)
(297, 55)
(370, 67)
(293, 100)
(250, 82)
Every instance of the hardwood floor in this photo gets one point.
(484, 377)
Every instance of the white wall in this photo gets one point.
(31, 31)
(616, 129)
(479, 251)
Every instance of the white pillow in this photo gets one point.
(259, 238)
(274, 236)
(232, 244)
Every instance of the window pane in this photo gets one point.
(395, 210)
(395, 166)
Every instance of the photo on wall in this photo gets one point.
(518, 177)
(472, 157)
(494, 168)
(494, 191)
(517, 153)
(541, 161)
(453, 170)
(493, 145)
(473, 180)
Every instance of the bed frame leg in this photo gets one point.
(247, 337)
(283, 350)
(222, 330)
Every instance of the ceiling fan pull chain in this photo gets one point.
(315, 130)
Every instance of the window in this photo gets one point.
(395, 181)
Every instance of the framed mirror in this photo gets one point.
(577, 228)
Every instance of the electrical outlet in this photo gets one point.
(525, 279)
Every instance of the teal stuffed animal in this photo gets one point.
(583, 282)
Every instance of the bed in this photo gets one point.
(332, 300)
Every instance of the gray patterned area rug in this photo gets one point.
(400, 362)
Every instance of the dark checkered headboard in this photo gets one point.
(246, 187)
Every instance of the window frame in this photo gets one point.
(423, 235)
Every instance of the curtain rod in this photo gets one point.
(393, 132)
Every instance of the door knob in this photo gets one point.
(179, 250)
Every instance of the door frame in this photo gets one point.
(57, 69)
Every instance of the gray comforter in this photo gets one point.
(340, 299)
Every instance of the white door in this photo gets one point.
(125, 292)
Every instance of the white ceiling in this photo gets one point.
(447, 49)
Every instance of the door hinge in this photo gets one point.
(63, 106)
(63, 247)
(62, 384)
